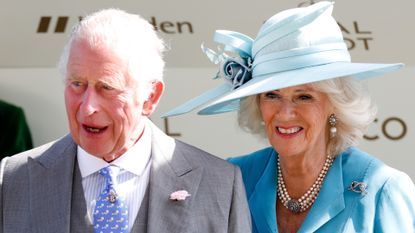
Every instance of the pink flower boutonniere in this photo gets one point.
(180, 195)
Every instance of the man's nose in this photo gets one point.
(90, 102)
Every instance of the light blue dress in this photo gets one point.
(388, 205)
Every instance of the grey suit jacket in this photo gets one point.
(36, 190)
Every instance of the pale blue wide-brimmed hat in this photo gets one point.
(294, 47)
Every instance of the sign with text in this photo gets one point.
(34, 33)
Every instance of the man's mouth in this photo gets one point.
(94, 129)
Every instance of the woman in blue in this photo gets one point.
(296, 85)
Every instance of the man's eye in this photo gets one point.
(107, 87)
(76, 84)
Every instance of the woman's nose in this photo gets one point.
(286, 109)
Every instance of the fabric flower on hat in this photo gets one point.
(236, 70)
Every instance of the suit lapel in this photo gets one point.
(330, 201)
(51, 177)
(170, 172)
(263, 198)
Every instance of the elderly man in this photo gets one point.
(116, 171)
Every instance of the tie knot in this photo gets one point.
(110, 174)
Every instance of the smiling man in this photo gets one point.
(116, 171)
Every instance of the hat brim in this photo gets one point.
(230, 101)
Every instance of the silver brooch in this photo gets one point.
(358, 187)
(112, 196)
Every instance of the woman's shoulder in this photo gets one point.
(371, 169)
(389, 201)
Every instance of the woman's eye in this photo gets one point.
(305, 97)
(270, 95)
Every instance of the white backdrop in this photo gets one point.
(374, 32)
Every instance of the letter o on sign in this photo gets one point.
(398, 121)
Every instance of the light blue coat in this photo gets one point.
(387, 206)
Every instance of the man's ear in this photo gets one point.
(153, 98)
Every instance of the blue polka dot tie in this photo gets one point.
(111, 213)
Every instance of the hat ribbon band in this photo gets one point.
(299, 51)
(288, 25)
(299, 61)
(234, 42)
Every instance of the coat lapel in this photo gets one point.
(330, 201)
(51, 177)
(170, 172)
(262, 200)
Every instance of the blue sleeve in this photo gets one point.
(396, 205)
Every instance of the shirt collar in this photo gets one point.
(133, 160)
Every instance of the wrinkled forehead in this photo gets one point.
(86, 60)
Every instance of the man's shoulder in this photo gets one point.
(193, 154)
(38, 153)
(175, 150)
(201, 158)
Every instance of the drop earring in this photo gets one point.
(333, 122)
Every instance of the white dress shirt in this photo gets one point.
(132, 180)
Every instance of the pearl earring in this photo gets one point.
(333, 122)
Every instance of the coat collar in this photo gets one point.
(329, 203)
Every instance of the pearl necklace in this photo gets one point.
(305, 201)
